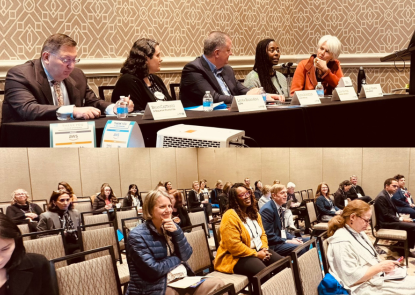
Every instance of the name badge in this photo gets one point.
(248, 103)
(305, 98)
(258, 243)
(164, 110)
(283, 234)
(346, 202)
(76, 134)
(345, 82)
(344, 94)
(371, 90)
(122, 134)
(359, 195)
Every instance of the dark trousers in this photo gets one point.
(285, 249)
(250, 266)
(409, 227)
(407, 210)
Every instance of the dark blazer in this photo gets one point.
(184, 217)
(292, 198)
(28, 95)
(399, 199)
(31, 277)
(214, 195)
(272, 224)
(139, 93)
(197, 78)
(352, 193)
(50, 220)
(339, 197)
(258, 194)
(324, 206)
(385, 209)
(18, 216)
(195, 200)
(128, 201)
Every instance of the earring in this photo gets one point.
(351, 222)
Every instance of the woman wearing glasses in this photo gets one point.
(244, 246)
(22, 209)
(325, 207)
(138, 79)
(353, 260)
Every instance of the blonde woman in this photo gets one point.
(22, 209)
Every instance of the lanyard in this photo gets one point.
(373, 254)
(30, 210)
(278, 81)
(251, 229)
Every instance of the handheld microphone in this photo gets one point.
(287, 65)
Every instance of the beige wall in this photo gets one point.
(39, 170)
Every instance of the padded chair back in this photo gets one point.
(174, 90)
(95, 219)
(101, 90)
(304, 194)
(125, 214)
(87, 198)
(201, 257)
(4, 205)
(129, 224)
(298, 196)
(374, 221)
(143, 197)
(323, 244)
(216, 233)
(39, 202)
(311, 212)
(79, 278)
(83, 206)
(310, 193)
(198, 218)
(24, 229)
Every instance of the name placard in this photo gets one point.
(164, 110)
(371, 90)
(118, 134)
(345, 82)
(344, 94)
(248, 103)
(76, 134)
(305, 97)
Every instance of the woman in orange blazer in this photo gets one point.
(321, 67)
(243, 248)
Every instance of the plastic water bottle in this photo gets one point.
(122, 108)
(208, 102)
(361, 79)
(320, 90)
(264, 94)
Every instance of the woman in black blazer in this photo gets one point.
(326, 210)
(138, 79)
(196, 201)
(21, 273)
(22, 210)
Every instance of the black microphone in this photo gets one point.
(287, 65)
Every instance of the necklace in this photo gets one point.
(373, 254)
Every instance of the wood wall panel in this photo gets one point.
(186, 167)
(275, 165)
(14, 172)
(225, 166)
(135, 168)
(48, 167)
(306, 168)
(380, 164)
(206, 166)
(248, 164)
(97, 167)
(163, 166)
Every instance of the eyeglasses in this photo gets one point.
(365, 220)
(67, 61)
(20, 195)
(242, 196)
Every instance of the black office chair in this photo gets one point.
(101, 90)
(173, 87)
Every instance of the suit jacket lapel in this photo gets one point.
(210, 75)
(390, 202)
(21, 277)
(73, 92)
(277, 219)
(42, 79)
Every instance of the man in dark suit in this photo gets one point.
(387, 214)
(402, 198)
(272, 214)
(41, 88)
(210, 72)
(356, 191)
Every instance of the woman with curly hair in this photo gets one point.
(63, 185)
(138, 79)
(243, 248)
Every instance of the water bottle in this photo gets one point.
(208, 102)
(361, 79)
(320, 90)
(122, 108)
(264, 94)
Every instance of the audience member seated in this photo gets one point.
(258, 190)
(196, 202)
(402, 198)
(133, 197)
(244, 246)
(21, 273)
(321, 67)
(168, 186)
(66, 187)
(61, 214)
(41, 88)
(353, 261)
(204, 190)
(266, 196)
(247, 182)
(22, 209)
(276, 181)
(272, 214)
(224, 196)
(291, 196)
(158, 252)
(325, 207)
(179, 213)
(356, 191)
(160, 187)
(138, 80)
(340, 196)
(267, 55)
(388, 216)
(214, 194)
(105, 202)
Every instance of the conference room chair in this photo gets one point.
(312, 217)
(143, 196)
(307, 269)
(310, 193)
(227, 289)
(102, 237)
(125, 212)
(78, 278)
(49, 243)
(24, 229)
(198, 218)
(216, 233)
(388, 234)
(282, 283)
(304, 195)
(174, 90)
(101, 90)
(88, 219)
(83, 206)
(323, 245)
(86, 198)
(4, 205)
(298, 196)
(128, 224)
(202, 258)
(39, 202)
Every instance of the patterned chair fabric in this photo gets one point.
(51, 247)
(39, 202)
(24, 229)
(313, 217)
(310, 271)
(93, 219)
(282, 283)
(83, 206)
(97, 238)
(198, 218)
(4, 206)
(75, 279)
(123, 215)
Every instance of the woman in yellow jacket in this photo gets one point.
(243, 247)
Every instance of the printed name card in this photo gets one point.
(305, 97)
(76, 134)
(344, 94)
(248, 103)
(164, 110)
(119, 134)
(345, 82)
(371, 90)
